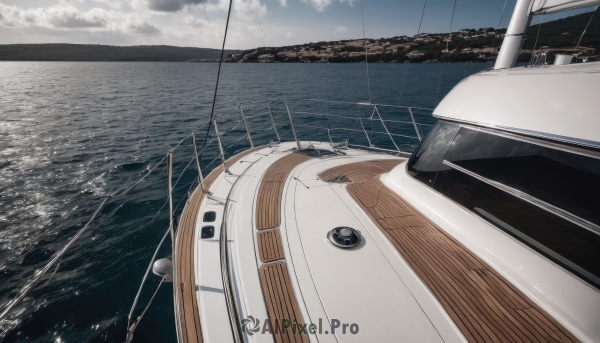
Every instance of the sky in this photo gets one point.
(201, 23)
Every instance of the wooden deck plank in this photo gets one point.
(189, 317)
(269, 245)
(268, 201)
(275, 281)
(281, 302)
(484, 306)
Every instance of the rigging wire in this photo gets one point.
(450, 29)
(586, 27)
(536, 38)
(209, 25)
(362, 17)
(262, 34)
(137, 296)
(57, 258)
(444, 52)
(410, 57)
(212, 112)
(43, 271)
(497, 27)
(139, 318)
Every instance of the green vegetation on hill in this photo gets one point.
(468, 45)
(565, 32)
(84, 52)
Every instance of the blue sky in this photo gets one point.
(254, 22)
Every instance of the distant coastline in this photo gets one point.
(108, 53)
(467, 45)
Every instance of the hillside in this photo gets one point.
(467, 45)
(84, 52)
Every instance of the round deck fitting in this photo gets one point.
(344, 237)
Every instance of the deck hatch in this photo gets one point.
(209, 216)
(344, 237)
(207, 232)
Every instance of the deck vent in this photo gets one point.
(341, 179)
(344, 237)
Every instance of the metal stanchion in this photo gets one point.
(247, 128)
(200, 176)
(415, 124)
(293, 127)
(225, 169)
(170, 181)
(273, 121)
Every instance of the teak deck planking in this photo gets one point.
(189, 317)
(360, 171)
(268, 201)
(281, 302)
(275, 281)
(269, 245)
(484, 306)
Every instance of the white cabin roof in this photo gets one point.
(555, 102)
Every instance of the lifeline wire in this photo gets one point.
(212, 112)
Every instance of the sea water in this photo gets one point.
(73, 133)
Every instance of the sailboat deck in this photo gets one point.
(190, 330)
(275, 281)
(268, 203)
(483, 305)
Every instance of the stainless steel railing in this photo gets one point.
(306, 115)
(386, 128)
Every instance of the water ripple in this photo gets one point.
(71, 133)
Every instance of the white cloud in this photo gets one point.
(249, 9)
(132, 22)
(171, 5)
(69, 18)
(111, 3)
(283, 3)
(243, 9)
(321, 5)
(144, 28)
(340, 29)
(195, 22)
(66, 2)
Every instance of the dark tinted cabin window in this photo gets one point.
(565, 180)
(427, 159)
